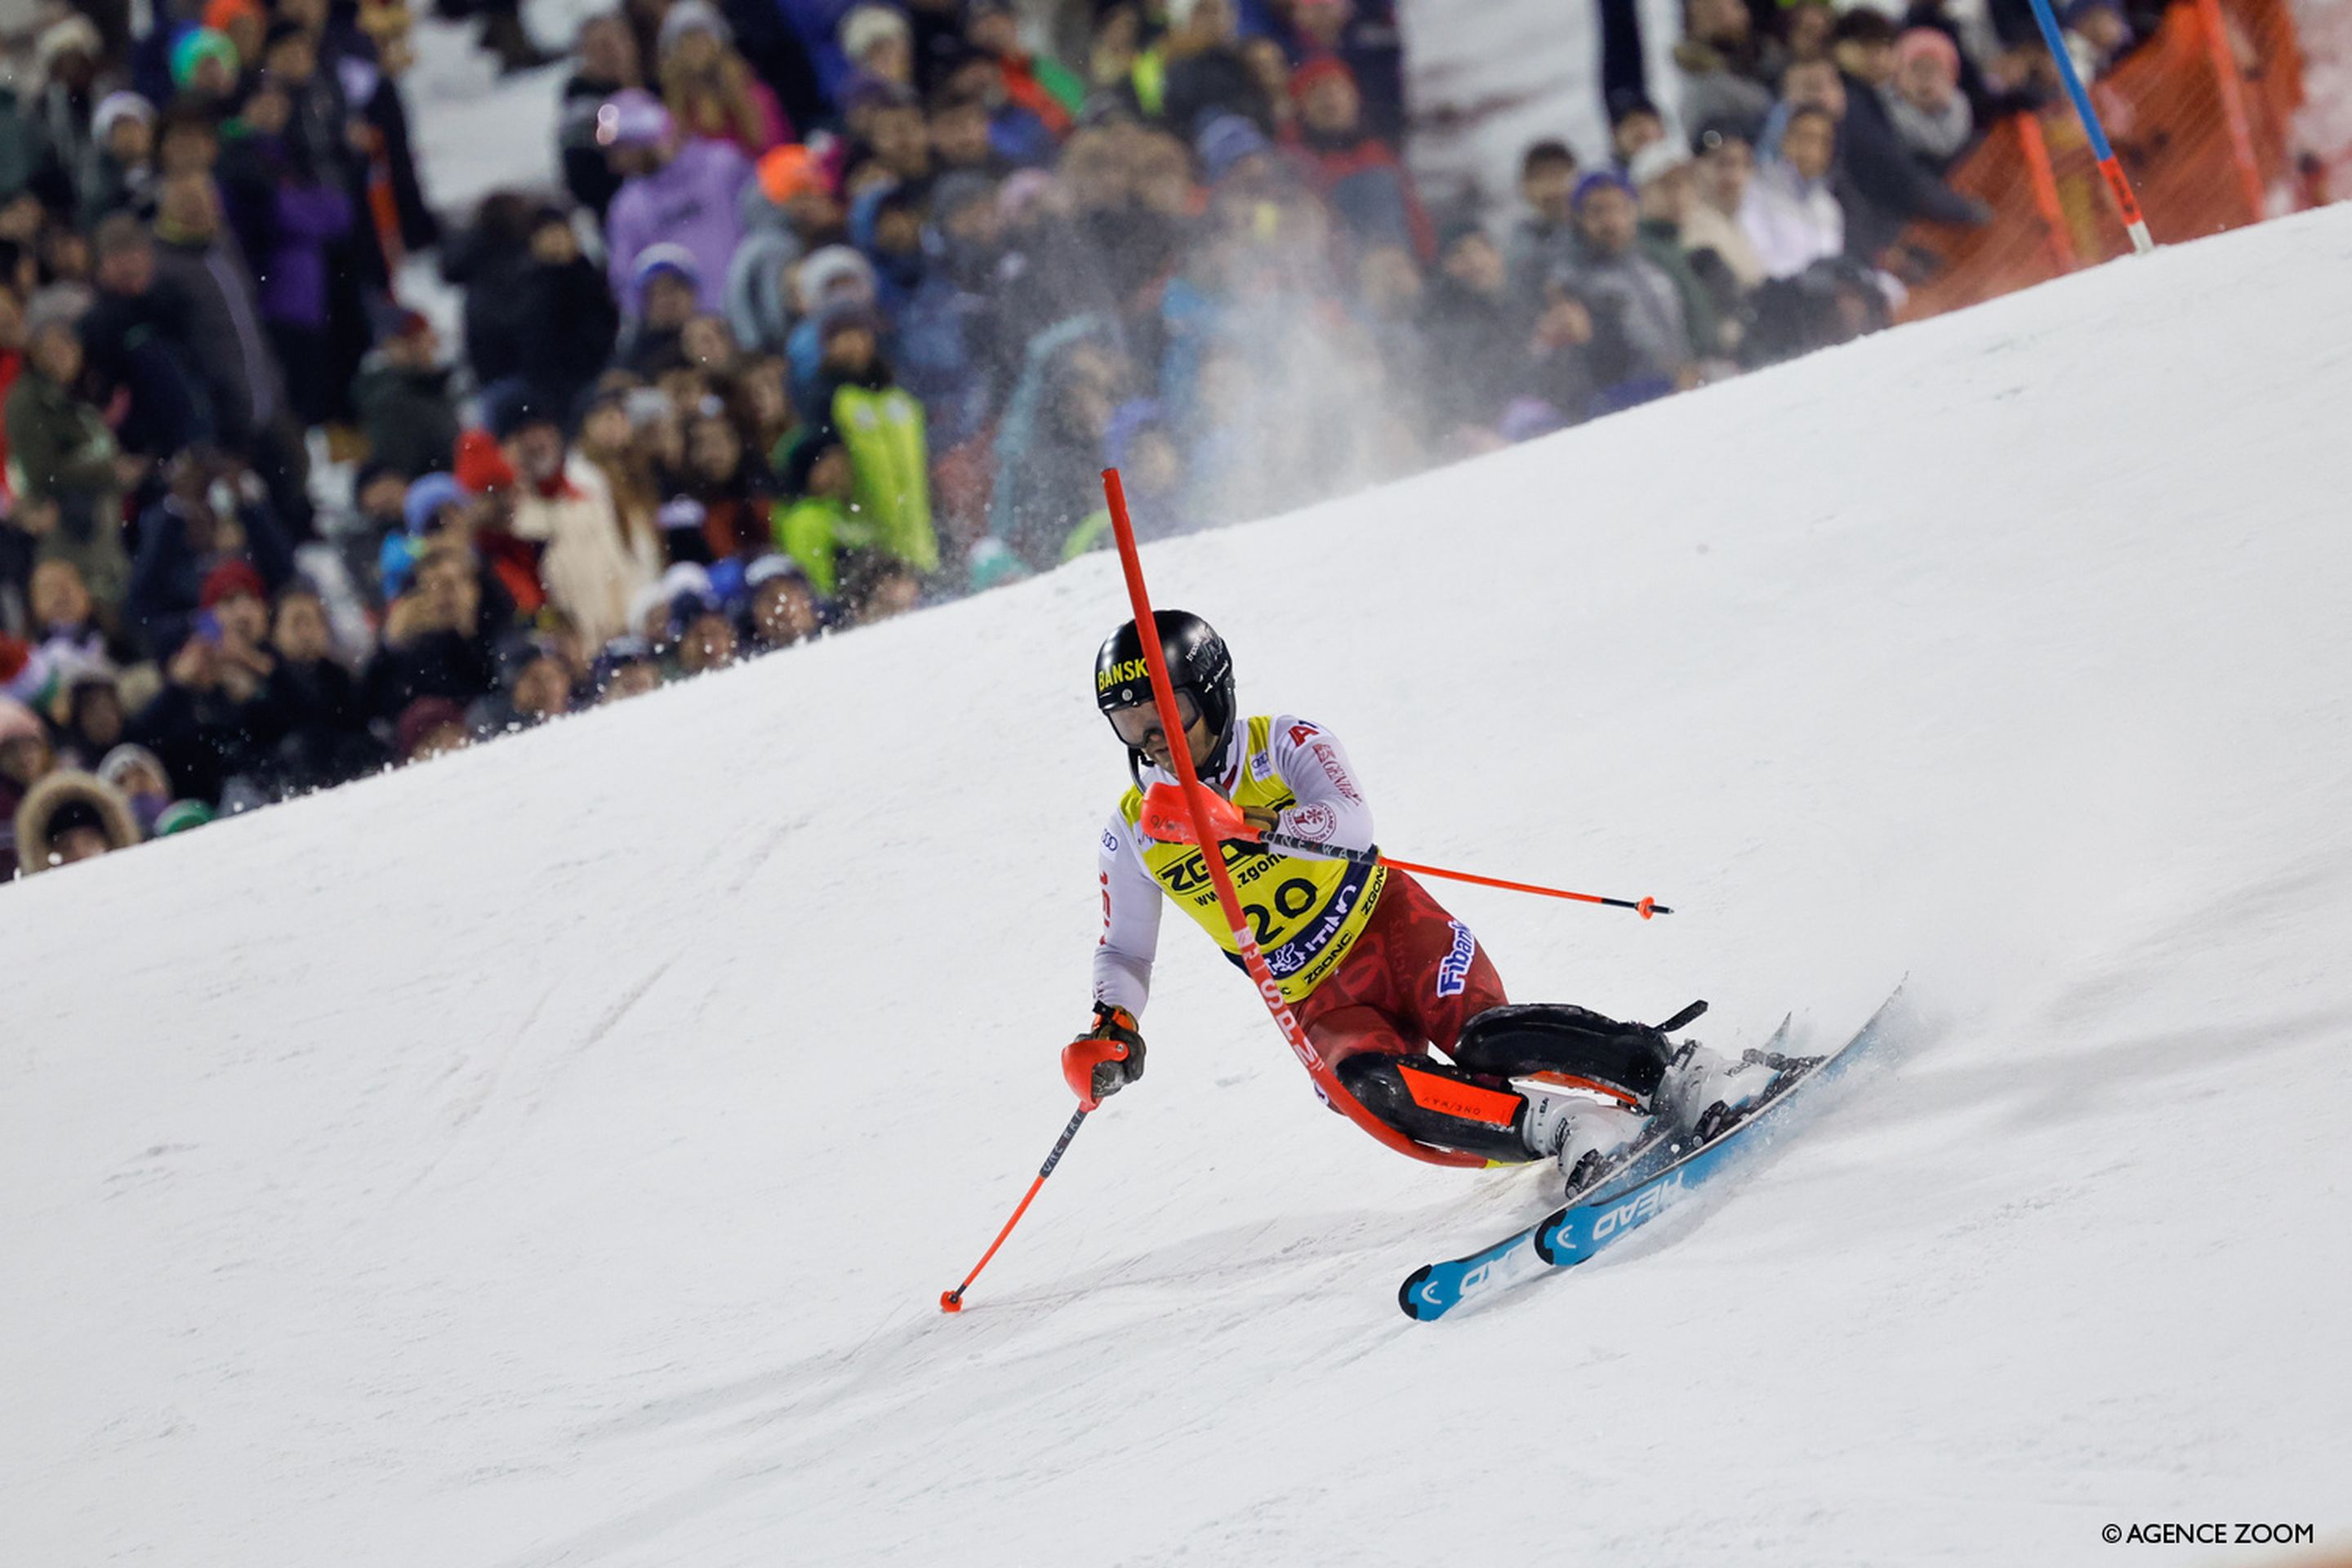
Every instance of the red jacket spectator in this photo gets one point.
(1357, 172)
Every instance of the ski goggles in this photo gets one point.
(1137, 722)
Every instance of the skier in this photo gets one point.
(1374, 968)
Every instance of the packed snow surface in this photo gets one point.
(555, 1153)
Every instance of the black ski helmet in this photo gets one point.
(1197, 663)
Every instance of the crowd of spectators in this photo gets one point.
(841, 309)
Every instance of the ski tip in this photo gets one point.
(1405, 1292)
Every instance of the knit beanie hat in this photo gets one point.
(200, 45)
(181, 816)
(229, 579)
(427, 498)
(18, 723)
(116, 108)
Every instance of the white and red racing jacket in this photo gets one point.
(1305, 911)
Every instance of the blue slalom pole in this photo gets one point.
(2119, 186)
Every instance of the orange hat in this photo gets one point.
(219, 14)
(790, 171)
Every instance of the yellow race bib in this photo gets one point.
(1305, 913)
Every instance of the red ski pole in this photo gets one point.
(1245, 946)
(952, 1301)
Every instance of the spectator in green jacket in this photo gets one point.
(846, 553)
(1666, 185)
(881, 425)
(813, 526)
(61, 453)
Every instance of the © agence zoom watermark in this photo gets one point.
(2173, 1533)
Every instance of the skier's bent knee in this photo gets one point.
(1438, 1103)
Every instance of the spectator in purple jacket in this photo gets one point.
(689, 195)
(288, 211)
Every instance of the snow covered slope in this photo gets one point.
(554, 1154)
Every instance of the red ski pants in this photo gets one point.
(1416, 976)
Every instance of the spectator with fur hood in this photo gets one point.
(70, 816)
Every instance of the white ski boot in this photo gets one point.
(1581, 1128)
(1704, 1089)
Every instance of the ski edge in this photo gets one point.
(1635, 1205)
(1472, 1275)
(1657, 1153)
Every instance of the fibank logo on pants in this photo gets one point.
(1453, 969)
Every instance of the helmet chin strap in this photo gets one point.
(1213, 771)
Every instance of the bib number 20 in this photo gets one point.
(1291, 899)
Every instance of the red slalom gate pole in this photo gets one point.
(1164, 693)
(1645, 908)
(952, 1301)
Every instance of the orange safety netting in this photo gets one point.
(2199, 117)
